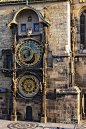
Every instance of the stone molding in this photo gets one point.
(70, 90)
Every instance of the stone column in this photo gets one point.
(73, 33)
(14, 115)
(44, 119)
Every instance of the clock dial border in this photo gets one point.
(23, 88)
(36, 51)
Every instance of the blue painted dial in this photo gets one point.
(29, 53)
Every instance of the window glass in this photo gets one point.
(36, 27)
(84, 11)
(9, 61)
(23, 27)
(82, 30)
(82, 19)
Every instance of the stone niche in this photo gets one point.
(80, 69)
(28, 22)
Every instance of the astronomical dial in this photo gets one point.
(29, 53)
(28, 86)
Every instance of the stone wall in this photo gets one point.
(60, 108)
(80, 74)
(64, 109)
(5, 41)
(5, 105)
(57, 76)
(36, 110)
(80, 53)
(57, 31)
(58, 38)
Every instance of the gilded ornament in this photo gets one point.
(29, 53)
(28, 86)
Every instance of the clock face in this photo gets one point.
(29, 53)
(28, 86)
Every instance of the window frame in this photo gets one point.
(21, 27)
(79, 48)
(6, 53)
(34, 27)
(9, 63)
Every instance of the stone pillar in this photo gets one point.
(14, 115)
(73, 33)
(44, 118)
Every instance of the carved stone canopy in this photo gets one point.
(27, 7)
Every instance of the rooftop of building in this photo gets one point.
(6, 2)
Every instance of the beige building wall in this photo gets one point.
(58, 59)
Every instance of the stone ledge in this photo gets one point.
(70, 90)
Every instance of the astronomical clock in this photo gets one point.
(29, 53)
(28, 86)
(29, 56)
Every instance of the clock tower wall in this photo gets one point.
(38, 37)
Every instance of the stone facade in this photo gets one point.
(42, 66)
(60, 109)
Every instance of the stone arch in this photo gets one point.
(28, 39)
(76, 13)
(80, 10)
(27, 7)
(29, 113)
(79, 46)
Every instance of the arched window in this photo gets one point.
(82, 30)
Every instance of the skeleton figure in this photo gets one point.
(29, 31)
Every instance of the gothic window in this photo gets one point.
(82, 31)
(23, 27)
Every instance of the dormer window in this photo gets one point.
(29, 19)
(36, 27)
(23, 27)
